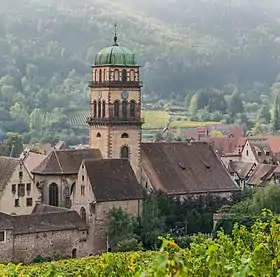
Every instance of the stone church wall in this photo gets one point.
(61, 244)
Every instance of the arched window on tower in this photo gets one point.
(116, 75)
(53, 194)
(100, 75)
(99, 108)
(124, 109)
(98, 135)
(132, 75)
(124, 76)
(94, 108)
(132, 108)
(103, 108)
(95, 75)
(83, 214)
(124, 152)
(116, 108)
(104, 75)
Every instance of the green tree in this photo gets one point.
(13, 144)
(264, 116)
(276, 115)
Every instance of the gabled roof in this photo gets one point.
(31, 160)
(262, 174)
(65, 161)
(7, 167)
(113, 180)
(182, 168)
(242, 169)
(263, 153)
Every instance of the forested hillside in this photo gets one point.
(222, 56)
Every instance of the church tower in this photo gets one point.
(115, 105)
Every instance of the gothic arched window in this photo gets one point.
(124, 152)
(98, 135)
(99, 108)
(125, 135)
(100, 75)
(103, 108)
(124, 109)
(83, 214)
(116, 108)
(132, 108)
(124, 76)
(94, 108)
(53, 194)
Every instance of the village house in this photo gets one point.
(258, 152)
(101, 186)
(241, 172)
(56, 175)
(18, 192)
(53, 234)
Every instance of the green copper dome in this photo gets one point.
(115, 55)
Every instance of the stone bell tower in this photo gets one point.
(115, 105)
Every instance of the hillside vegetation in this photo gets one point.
(225, 53)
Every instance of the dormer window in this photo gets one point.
(259, 153)
(267, 153)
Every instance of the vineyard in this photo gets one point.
(153, 120)
(252, 252)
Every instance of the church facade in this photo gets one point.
(115, 105)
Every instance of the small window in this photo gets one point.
(247, 152)
(21, 190)
(259, 154)
(29, 202)
(267, 153)
(99, 109)
(2, 236)
(28, 187)
(14, 188)
(98, 135)
(20, 174)
(16, 202)
(124, 135)
(103, 108)
(83, 177)
(82, 190)
(94, 108)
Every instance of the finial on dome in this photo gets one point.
(115, 37)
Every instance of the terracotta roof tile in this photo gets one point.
(113, 180)
(32, 160)
(242, 169)
(262, 174)
(184, 168)
(65, 161)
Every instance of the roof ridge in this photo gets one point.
(58, 161)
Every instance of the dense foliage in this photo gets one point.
(163, 214)
(218, 59)
(246, 253)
